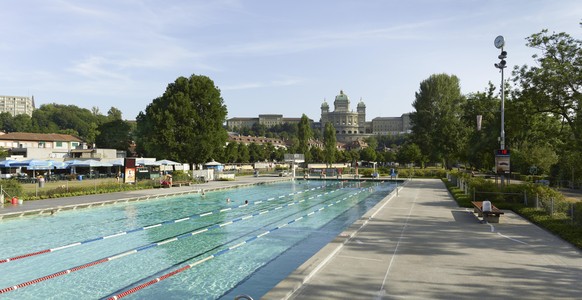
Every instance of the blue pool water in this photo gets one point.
(219, 248)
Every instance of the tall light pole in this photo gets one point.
(502, 155)
(502, 64)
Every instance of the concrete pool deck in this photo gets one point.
(414, 244)
(420, 245)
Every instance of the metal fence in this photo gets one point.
(555, 208)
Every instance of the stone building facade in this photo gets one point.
(352, 126)
(268, 120)
(349, 125)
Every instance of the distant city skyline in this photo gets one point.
(266, 57)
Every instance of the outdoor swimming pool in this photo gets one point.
(187, 247)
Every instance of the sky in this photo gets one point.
(265, 56)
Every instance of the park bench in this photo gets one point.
(181, 183)
(489, 216)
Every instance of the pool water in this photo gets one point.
(201, 246)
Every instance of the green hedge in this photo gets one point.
(422, 173)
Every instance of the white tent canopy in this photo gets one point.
(165, 162)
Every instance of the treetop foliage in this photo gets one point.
(184, 124)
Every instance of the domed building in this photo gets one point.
(349, 125)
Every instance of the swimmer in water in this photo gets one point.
(227, 200)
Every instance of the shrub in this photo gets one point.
(11, 188)
(421, 173)
(180, 176)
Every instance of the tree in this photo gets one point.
(186, 123)
(543, 157)
(555, 85)
(95, 110)
(243, 153)
(53, 118)
(21, 123)
(481, 144)
(368, 154)
(436, 124)
(329, 142)
(114, 114)
(409, 153)
(316, 154)
(256, 152)
(304, 134)
(114, 134)
(231, 152)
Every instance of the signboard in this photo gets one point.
(129, 170)
(295, 158)
(502, 161)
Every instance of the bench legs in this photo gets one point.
(491, 218)
(478, 212)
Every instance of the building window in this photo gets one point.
(59, 144)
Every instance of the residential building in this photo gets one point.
(39, 145)
(53, 146)
(277, 143)
(17, 105)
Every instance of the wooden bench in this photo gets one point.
(181, 183)
(489, 216)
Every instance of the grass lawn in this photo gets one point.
(33, 187)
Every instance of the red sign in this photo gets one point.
(502, 152)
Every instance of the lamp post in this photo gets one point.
(502, 64)
(502, 156)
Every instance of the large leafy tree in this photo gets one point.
(304, 134)
(436, 124)
(185, 123)
(554, 86)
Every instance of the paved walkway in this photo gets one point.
(48, 205)
(420, 245)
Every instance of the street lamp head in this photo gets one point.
(503, 55)
(501, 64)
